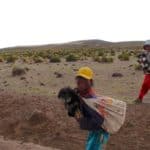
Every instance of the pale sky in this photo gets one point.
(32, 22)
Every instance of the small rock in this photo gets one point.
(22, 78)
(116, 74)
(27, 69)
(42, 84)
(74, 69)
(5, 82)
(130, 66)
(27, 82)
(58, 75)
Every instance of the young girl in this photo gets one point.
(144, 60)
(89, 120)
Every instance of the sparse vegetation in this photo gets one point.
(124, 56)
(105, 59)
(11, 59)
(55, 59)
(43, 54)
(138, 67)
(18, 70)
(38, 59)
(72, 57)
(96, 58)
(97, 54)
(25, 59)
(101, 53)
(1, 59)
(112, 53)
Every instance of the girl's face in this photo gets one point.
(82, 84)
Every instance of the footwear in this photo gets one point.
(138, 101)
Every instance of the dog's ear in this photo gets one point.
(64, 92)
(61, 93)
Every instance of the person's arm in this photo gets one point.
(140, 57)
(90, 123)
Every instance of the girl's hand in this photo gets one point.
(78, 115)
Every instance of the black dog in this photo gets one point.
(71, 100)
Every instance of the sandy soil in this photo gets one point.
(43, 121)
(41, 78)
(16, 145)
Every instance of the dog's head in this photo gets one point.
(65, 94)
(70, 99)
(69, 95)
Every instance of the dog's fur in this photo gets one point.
(71, 100)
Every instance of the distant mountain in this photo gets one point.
(94, 43)
(129, 44)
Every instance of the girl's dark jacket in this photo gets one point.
(91, 121)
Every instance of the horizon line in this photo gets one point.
(67, 42)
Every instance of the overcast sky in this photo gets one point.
(31, 22)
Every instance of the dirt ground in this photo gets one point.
(16, 145)
(43, 121)
(41, 78)
(31, 113)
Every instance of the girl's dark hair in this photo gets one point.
(92, 82)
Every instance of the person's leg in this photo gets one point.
(148, 82)
(96, 140)
(144, 89)
(104, 139)
(93, 141)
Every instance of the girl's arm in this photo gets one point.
(91, 122)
